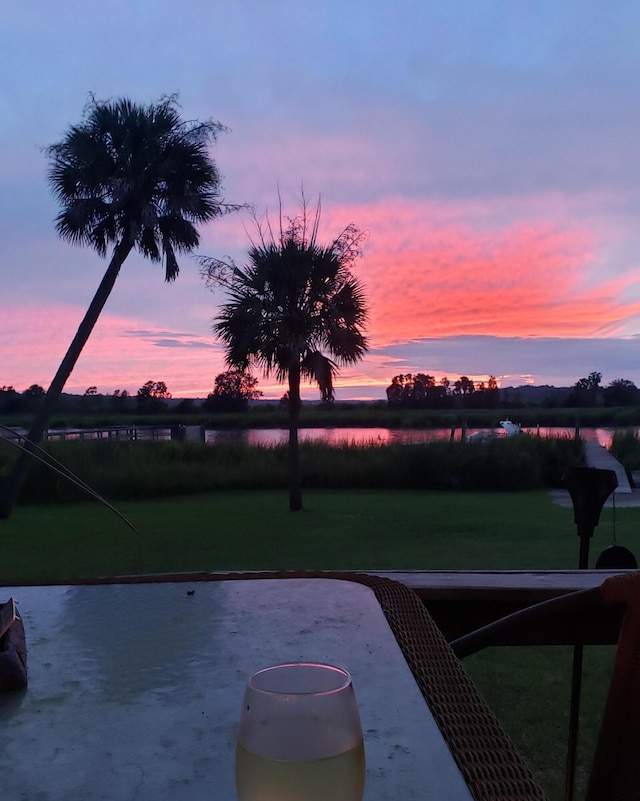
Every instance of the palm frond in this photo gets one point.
(171, 267)
(293, 299)
(317, 367)
(136, 172)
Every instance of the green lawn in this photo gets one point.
(254, 529)
(528, 688)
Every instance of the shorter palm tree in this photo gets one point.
(294, 302)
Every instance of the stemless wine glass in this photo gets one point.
(300, 737)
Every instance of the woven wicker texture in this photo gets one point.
(486, 756)
(615, 771)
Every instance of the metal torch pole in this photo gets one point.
(589, 489)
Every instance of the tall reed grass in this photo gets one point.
(625, 446)
(121, 470)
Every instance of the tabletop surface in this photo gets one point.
(135, 690)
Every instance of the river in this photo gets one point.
(386, 436)
(332, 436)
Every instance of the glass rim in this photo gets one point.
(346, 676)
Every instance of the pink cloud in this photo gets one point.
(430, 270)
(119, 353)
(428, 273)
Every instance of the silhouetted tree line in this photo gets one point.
(150, 399)
(422, 391)
(234, 389)
(589, 392)
(231, 393)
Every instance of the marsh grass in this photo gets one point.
(625, 446)
(349, 414)
(127, 470)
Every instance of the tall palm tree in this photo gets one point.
(292, 301)
(132, 177)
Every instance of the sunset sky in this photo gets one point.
(490, 149)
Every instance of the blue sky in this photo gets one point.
(489, 149)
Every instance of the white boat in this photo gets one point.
(510, 428)
(507, 426)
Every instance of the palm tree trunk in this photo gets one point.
(11, 487)
(295, 488)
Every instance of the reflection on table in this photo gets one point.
(134, 690)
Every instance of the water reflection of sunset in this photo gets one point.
(388, 436)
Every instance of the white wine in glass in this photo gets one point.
(300, 737)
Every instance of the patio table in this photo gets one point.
(135, 689)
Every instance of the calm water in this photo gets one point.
(387, 436)
(332, 436)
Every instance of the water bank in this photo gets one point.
(336, 436)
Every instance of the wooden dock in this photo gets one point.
(601, 458)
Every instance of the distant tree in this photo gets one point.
(10, 400)
(31, 398)
(118, 402)
(586, 392)
(232, 392)
(151, 397)
(465, 385)
(398, 392)
(621, 392)
(485, 395)
(423, 386)
(462, 388)
(295, 299)
(131, 176)
(492, 393)
(35, 392)
(90, 401)
(591, 382)
(419, 391)
(158, 389)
